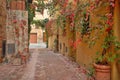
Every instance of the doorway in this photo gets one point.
(33, 38)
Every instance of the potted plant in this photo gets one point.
(110, 46)
(108, 55)
(109, 50)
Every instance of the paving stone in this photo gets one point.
(44, 65)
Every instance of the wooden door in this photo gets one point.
(33, 38)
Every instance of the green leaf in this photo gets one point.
(97, 53)
(105, 46)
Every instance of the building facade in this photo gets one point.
(16, 31)
(36, 34)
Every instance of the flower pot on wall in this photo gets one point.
(102, 72)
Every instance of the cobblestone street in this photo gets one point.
(43, 65)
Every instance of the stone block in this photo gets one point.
(17, 5)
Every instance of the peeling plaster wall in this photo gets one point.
(17, 33)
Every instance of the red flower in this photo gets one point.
(92, 7)
(21, 25)
(109, 15)
(14, 21)
(23, 21)
(97, 2)
(79, 40)
(74, 43)
(71, 42)
(110, 23)
(72, 24)
(108, 29)
(112, 4)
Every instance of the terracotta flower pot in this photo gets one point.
(102, 72)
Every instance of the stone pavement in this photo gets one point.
(44, 65)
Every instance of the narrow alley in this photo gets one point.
(44, 64)
(59, 40)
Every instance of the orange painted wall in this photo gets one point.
(84, 54)
(116, 65)
(52, 35)
(63, 43)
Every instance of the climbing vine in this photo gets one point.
(31, 13)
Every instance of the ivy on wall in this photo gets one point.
(31, 14)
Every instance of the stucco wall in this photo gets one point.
(51, 44)
(116, 65)
(63, 43)
(65, 37)
(52, 34)
(85, 55)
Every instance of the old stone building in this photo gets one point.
(17, 31)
